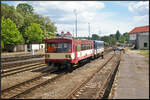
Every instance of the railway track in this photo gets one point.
(19, 57)
(19, 69)
(13, 64)
(15, 70)
(77, 93)
(25, 87)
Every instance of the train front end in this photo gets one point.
(58, 52)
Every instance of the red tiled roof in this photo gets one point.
(140, 29)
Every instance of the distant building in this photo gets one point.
(64, 35)
(139, 36)
(67, 34)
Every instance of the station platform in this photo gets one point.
(133, 78)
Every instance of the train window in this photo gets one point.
(79, 47)
(89, 46)
(46, 47)
(85, 47)
(59, 47)
(75, 48)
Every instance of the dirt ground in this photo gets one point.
(62, 86)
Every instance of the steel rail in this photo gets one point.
(38, 85)
(22, 70)
(15, 87)
(82, 84)
(104, 85)
(27, 81)
(17, 68)
(16, 64)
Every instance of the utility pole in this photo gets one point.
(73, 33)
(89, 30)
(75, 12)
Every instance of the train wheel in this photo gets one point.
(89, 60)
(49, 64)
(102, 56)
(69, 67)
(59, 67)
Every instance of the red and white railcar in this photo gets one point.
(68, 51)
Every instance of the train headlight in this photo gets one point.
(47, 56)
(68, 56)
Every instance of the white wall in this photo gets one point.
(42, 45)
(144, 33)
(132, 36)
(35, 46)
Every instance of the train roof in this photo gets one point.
(67, 39)
(98, 41)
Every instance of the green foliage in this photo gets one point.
(118, 35)
(24, 8)
(113, 36)
(9, 32)
(112, 41)
(49, 35)
(10, 12)
(2, 45)
(95, 37)
(22, 24)
(105, 39)
(126, 35)
(34, 33)
(109, 40)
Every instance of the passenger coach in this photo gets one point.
(65, 52)
(98, 49)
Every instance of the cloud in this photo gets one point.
(140, 8)
(102, 16)
(141, 11)
(141, 19)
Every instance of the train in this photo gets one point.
(67, 52)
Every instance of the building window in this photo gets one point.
(145, 44)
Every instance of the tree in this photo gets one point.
(118, 35)
(105, 39)
(108, 40)
(9, 32)
(95, 37)
(10, 12)
(33, 33)
(24, 8)
(112, 36)
(126, 35)
(2, 45)
(113, 41)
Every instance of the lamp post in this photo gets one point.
(76, 21)
(89, 30)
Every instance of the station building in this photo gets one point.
(139, 36)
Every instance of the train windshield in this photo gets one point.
(59, 47)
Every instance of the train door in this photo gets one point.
(76, 52)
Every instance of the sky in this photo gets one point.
(104, 17)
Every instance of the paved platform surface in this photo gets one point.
(133, 81)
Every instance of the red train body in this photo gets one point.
(67, 51)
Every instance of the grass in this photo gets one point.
(146, 54)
